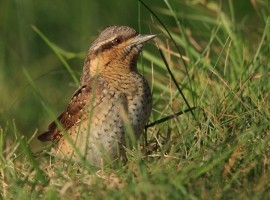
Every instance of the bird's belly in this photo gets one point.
(139, 111)
(100, 135)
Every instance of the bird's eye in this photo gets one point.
(110, 44)
(116, 41)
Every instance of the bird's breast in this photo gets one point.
(139, 104)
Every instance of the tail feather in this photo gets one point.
(46, 136)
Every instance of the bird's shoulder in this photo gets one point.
(77, 107)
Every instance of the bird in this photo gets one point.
(112, 98)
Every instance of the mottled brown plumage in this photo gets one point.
(112, 94)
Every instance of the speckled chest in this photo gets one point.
(139, 106)
(102, 126)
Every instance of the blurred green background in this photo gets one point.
(72, 25)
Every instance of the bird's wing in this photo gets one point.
(79, 103)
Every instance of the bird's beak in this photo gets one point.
(141, 39)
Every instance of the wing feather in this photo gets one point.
(72, 115)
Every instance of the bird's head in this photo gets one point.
(116, 48)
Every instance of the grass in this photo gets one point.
(220, 61)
